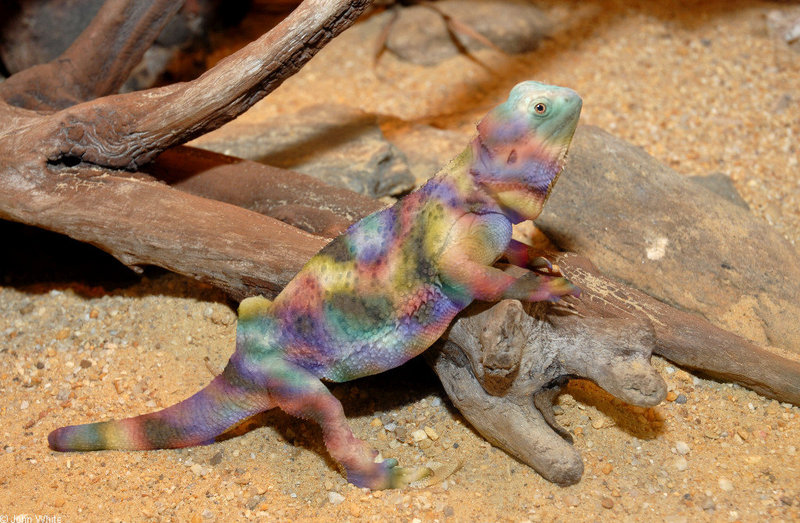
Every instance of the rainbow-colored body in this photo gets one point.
(380, 293)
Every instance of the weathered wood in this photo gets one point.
(60, 171)
(294, 198)
(98, 62)
(686, 339)
(129, 130)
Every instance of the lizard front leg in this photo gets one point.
(465, 264)
(522, 255)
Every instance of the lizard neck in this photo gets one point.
(459, 185)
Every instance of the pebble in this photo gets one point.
(216, 459)
(24, 405)
(681, 464)
(572, 500)
(419, 435)
(671, 396)
(334, 498)
(725, 484)
(607, 468)
(682, 447)
(431, 433)
(607, 503)
(681, 399)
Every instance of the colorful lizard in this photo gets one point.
(379, 294)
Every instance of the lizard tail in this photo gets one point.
(228, 399)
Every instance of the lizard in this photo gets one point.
(379, 294)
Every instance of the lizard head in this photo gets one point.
(522, 145)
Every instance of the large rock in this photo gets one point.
(337, 144)
(644, 224)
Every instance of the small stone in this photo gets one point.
(607, 503)
(198, 469)
(376, 422)
(681, 399)
(85, 364)
(24, 405)
(707, 503)
(671, 396)
(572, 500)
(607, 468)
(682, 447)
(254, 502)
(431, 433)
(742, 434)
(419, 435)
(216, 459)
(207, 514)
(597, 423)
(401, 433)
(681, 464)
(334, 498)
(94, 313)
(725, 484)
(62, 334)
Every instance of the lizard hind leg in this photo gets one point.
(227, 400)
(299, 393)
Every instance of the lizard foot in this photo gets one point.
(537, 287)
(387, 475)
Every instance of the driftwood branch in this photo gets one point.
(683, 338)
(98, 62)
(127, 131)
(61, 171)
(686, 339)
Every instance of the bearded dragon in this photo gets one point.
(379, 294)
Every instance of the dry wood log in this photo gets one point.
(66, 170)
(98, 61)
(686, 339)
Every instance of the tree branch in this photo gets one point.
(98, 62)
(127, 131)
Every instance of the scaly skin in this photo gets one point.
(379, 294)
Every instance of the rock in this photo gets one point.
(419, 435)
(721, 185)
(421, 35)
(335, 143)
(427, 148)
(681, 464)
(783, 26)
(725, 484)
(642, 223)
(681, 447)
(334, 498)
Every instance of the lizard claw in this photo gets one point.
(540, 264)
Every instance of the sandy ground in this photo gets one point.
(703, 86)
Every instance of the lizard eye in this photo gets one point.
(540, 108)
